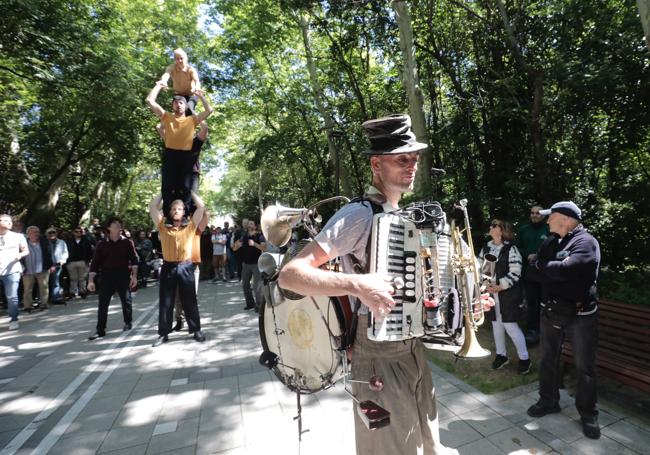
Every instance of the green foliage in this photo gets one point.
(627, 286)
(530, 104)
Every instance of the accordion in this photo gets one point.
(417, 256)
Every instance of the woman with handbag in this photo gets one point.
(505, 289)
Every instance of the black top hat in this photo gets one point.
(391, 135)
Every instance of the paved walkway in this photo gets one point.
(61, 394)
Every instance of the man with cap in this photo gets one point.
(178, 159)
(408, 391)
(567, 267)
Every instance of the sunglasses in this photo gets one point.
(494, 225)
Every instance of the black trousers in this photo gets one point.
(582, 332)
(533, 294)
(112, 281)
(179, 277)
(176, 179)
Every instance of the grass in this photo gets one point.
(479, 372)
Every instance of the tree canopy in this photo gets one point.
(521, 103)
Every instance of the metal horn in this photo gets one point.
(488, 269)
(277, 222)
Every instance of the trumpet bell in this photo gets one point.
(471, 348)
(277, 222)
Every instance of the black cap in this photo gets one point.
(391, 135)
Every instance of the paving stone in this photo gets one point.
(167, 427)
(629, 435)
(603, 446)
(559, 425)
(516, 440)
(134, 450)
(103, 405)
(179, 381)
(220, 438)
(83, 445)
(459, 402)
(443, 387)
(7, 436)
(185, 434)
(485, 421)
(480, 447)
(455, 432)
(91, 424)
(125, 437)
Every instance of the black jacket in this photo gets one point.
(568, 269)
(82, 251)
(510, 300)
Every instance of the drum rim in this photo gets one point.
(342, 322)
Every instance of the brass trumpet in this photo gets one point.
(466, 269)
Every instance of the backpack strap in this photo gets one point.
(376, 202)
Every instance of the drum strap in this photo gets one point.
(376, 205)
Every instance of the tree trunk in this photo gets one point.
(644, 13)
(535, 78)
(415, 97)
(319, 99)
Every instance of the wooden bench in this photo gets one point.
(623, 344)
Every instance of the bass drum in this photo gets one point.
(307, 335)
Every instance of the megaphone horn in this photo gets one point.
(277, 222)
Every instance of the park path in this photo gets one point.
(61, 394)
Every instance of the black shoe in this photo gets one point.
(198, 336)
(523, 367)
(159, 341)
(500, 361)
(540, 410)
(126, 327)
(249, 307)
(96, 335)
(591, 429)
(178, 326)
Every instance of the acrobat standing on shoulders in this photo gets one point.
(178, 159)
(185, 79)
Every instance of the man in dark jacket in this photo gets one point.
(567, 267)
(37, 264)
(115, 258)
(530, 237)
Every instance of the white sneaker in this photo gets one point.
(13, 325)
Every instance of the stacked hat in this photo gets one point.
(391, 135)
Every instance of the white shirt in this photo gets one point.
(10, 245)
(218, 249)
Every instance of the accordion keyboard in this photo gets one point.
(395, 244)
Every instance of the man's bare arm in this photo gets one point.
(204, 221)
(207, 109)
(154, 210)
(200, 209)
(303, 276)
(151, 100)
(203, 132)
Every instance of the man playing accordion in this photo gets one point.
(408, 392)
